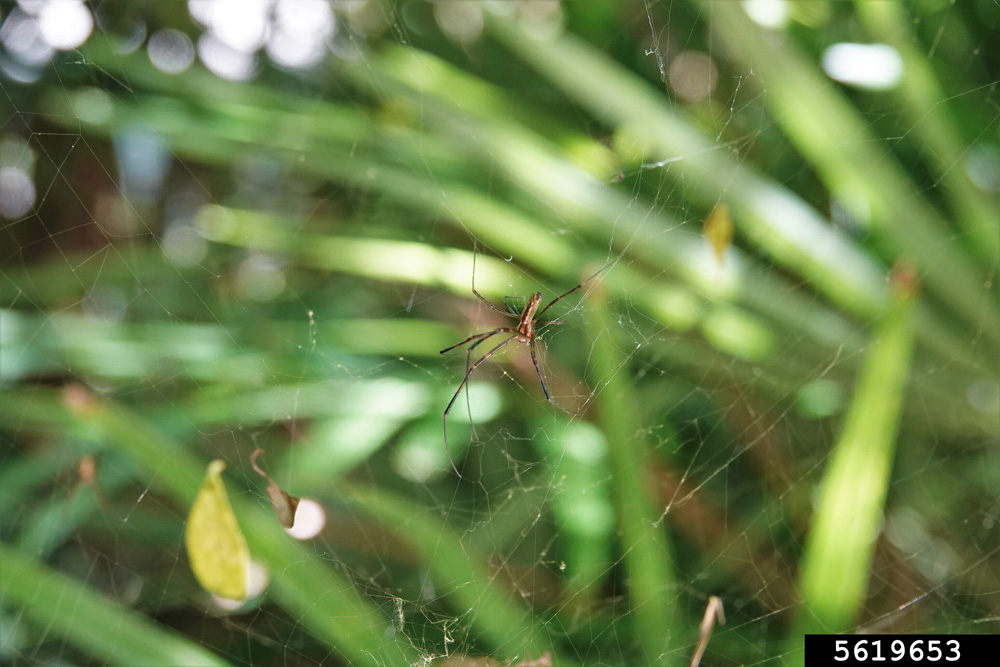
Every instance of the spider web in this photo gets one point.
(231, 226)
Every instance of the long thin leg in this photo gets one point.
(468, 352)
(468, 374)
(481, 336)
(468, 360)
(483, 298)
(478, 338)
(564, 294)
(541, 378)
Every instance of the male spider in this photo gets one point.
(527, 327)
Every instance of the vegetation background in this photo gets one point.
(270, 253)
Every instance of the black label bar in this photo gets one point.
(902, 650)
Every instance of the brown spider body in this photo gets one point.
(526, 327)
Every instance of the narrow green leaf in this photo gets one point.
(584, 512)
(646, 549)
(838, 552)
(110, 632)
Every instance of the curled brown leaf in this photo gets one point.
(284, 505)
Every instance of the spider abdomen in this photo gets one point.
(526, 327)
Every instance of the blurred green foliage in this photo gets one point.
(217, 266)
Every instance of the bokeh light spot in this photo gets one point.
(171, 51)
(240, 24)
(21, 35)
(872, 66)
(768, 13)
(17, 193)
(65, 24)
(462, 21)
(225, 61)
(692, 75)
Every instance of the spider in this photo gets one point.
(525, 333)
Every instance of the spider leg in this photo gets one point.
(506, 313)
(481, 336)
(541, 378)
(465, 380)
(478, 338)
(468, 358)
(567, 293)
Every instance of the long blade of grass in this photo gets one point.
(583, 509)
(576, 194)
(646, 549)
(70, 611)
(836, 564)
(21, 477)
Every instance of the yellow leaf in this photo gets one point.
(718, 231)
(218, 553)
